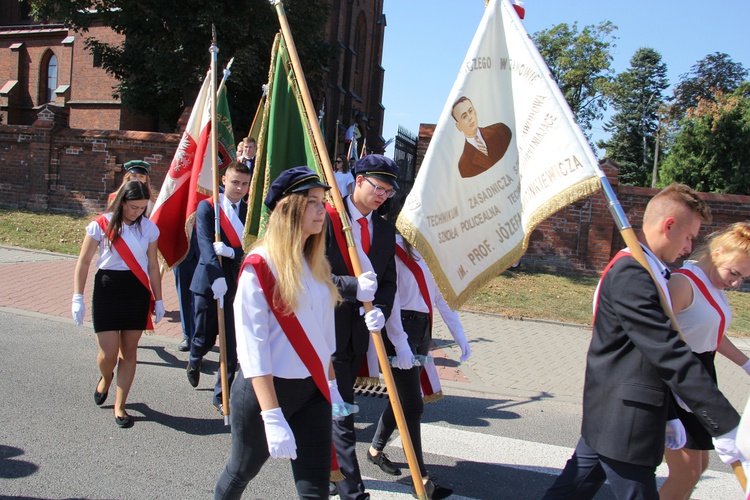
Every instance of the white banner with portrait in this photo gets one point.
(505, 155)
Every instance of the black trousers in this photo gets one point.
(308, 413)
(586, 472)
(206, 331)
(417, 327)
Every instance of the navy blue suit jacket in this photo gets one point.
(208, 269)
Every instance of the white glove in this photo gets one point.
(333, 386)
(281, 443)
(746, 367)
(367, 285)
(79, 308)
(404, 356)
(726, 447)
(219, 287)
(159, 310)
(676, 436)
(375, 320)
(460, 339)
(221, 249)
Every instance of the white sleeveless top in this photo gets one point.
(700, 320)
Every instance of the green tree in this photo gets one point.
(636, 95)
(712, 150)
(715, 72)
(165, 54)
(580, 62)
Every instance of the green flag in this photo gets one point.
(285, 139)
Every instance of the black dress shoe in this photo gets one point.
(193, 375)
(124, 422)
(100, 397)
(381, 460)
(219, 407)
(184, 345)
(333, 490)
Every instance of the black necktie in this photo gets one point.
(666, 273)
(234, 207)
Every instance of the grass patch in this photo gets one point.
(526, 293)
(50, 231)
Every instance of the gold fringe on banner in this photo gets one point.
(435, 396)
(582, 189)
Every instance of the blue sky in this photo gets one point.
(426, 41)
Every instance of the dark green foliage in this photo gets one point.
(165, 56)
(580, 63)
(636, 95)
(712, 150)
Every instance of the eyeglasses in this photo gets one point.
(380, 191)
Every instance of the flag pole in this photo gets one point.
(227, 72)
(214, 50)
(338, 201)
(336, 141)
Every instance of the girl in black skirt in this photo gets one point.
(125, 287)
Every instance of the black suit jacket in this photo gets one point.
(634, 360)
(473, 162)
(208, 268)
(352, 336)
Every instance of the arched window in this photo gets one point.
(50, 79)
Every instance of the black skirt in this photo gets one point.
(698, 437)
(120, 301)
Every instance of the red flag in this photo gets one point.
(187, 182)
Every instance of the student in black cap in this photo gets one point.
(281, 400)
(375, 238)
(136, 170)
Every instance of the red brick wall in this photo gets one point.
(583, 236)
(73, 170)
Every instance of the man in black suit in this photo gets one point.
(249, 147)
(212, 281)
(635, 362)
(375, 182)
(484, 146)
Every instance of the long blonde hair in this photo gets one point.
(731, 239)
(283, 241)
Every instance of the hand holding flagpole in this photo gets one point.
(214, 50)
(338, 202)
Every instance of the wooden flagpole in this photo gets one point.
(214, 50)
(385, 367)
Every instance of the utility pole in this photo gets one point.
(655, 173)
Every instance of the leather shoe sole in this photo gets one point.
(381, 460)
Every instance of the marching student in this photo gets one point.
(137, 170)
(281, 401)
(636, 360)
(127, 287)
(409, 329)
(375, 240)
(702, 310)
(213, 281)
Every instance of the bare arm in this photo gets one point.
(680, 291)
(265, 392)
(88, 249)
(154, 276)
(731, 352)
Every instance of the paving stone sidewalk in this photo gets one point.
(530, 359)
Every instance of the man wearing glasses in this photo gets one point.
(375, 239)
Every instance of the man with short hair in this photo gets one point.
(375, 239)
(249, 147)
(213, 281)
(635, 362)
(484, 146)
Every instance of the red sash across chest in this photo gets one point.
(135, 267)
(227, 227)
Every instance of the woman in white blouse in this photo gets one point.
(281, 405)
(127, 288)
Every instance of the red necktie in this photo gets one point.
(365, 235)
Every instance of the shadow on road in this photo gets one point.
(13, 468)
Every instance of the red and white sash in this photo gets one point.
(123, 249)
(232, 229)
(295, 333)
(709, 298)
